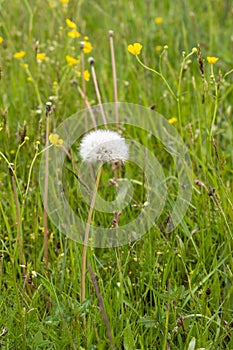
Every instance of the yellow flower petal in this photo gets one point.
(172, 120)
(71, 60)
(41, 56)
(1, 39)
(212, 60)
(64, 1)
(158, 48)
(73, 33)
(158, 20)
(70, 24)
(19, 54)
(86, 75)
(135, 49)
(54, 139)
(87, 47)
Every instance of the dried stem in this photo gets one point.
(84, 83)
(91, 61)
(89, 108)
(46, 253)
(101, 306)
(114, 77)
(18, 223)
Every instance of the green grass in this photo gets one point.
(167, 290)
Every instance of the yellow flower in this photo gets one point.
(41, 56)
(64, 1)
(54, 139)
(86, 75)
(86, 38)
(73, 33)
(87, 47)
(172, 120)
(70, 24)
(19, 54)
(158, 20)
(71, 60)
(135, 49)
(1, 39)
(158, 48)
(212, 60)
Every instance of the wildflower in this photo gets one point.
(1, 39)
(73, 34)
(212, 60)
(41, 56)
(158, 48)
(87, 48)
(172, 120)
(135, 49)
(19, 54)
(71, 60)
(158, 20)
(86, 38)
(64, 1)
(194, 50)
(55, 140)
(103, 145)
(86, 75)
(70, 24)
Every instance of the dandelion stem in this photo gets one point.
(91, 61)
(89, 108)
(85, 243)
(114, 77)
(84, 86)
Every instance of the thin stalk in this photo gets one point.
(114, 76)
(18, 223)
(160, 74)
(101, 306)
(89, 108)
(86, 237)
(91, 61)
(45, 218)
(215, 104)
(84, 84)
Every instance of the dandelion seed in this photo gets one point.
(103, 145)
(73, 34)
(158, 20)
(19, 54)
(212, 60)
(71, 60)
(87, 47)
(86, 75)
(41, 56)
(55, 140)
(135, 49)
(70, 24)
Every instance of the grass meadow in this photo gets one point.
(167, 290)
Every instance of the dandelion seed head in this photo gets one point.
(105, 146)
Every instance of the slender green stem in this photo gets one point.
(160, 74)
(86, 237)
